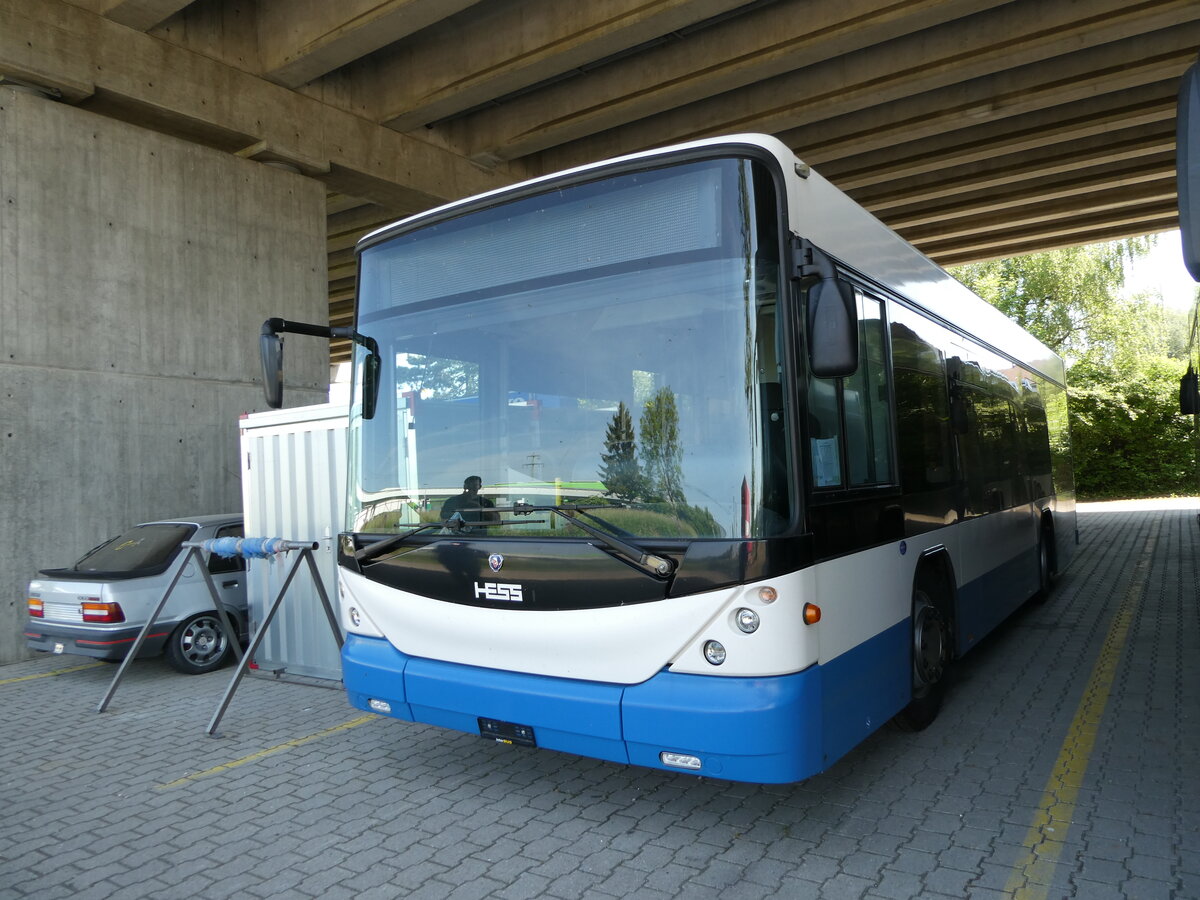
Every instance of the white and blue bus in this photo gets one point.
(684, 460)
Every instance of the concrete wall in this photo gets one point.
(135, 273)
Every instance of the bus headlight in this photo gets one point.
(747, 620)
(714, 652)
(357, 620)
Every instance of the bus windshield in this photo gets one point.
(612, 345)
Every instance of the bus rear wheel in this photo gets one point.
(1045, 565)
(930, 656)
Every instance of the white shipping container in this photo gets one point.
(294, 487)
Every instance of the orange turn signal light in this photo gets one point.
(812, 614)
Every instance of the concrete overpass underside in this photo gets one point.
(975, 128)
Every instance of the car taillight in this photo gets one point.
(94, 611)
(36, 610)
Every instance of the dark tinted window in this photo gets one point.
(990, 451)
(923, 432)
(219, 565)
(1037, 437)
(143, 547)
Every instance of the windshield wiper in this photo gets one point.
(649, 563)
(456, 524)
(368, 553)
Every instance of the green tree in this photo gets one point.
(662, 457)
(619, 468)
(1066, 298)
(1129, 439)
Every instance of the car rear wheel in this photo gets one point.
(198, 645)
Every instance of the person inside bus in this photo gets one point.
(469, 505)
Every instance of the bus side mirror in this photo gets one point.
(1189, 393)
(271, 350)
(832, 329)
(832, 312)
(1187, 167)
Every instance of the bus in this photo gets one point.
(742, 471)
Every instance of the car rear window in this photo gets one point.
(137, 550)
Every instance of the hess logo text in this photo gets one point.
(491, 590)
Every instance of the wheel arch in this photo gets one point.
(935, 575)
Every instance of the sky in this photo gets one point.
(1162, 271)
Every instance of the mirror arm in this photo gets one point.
(276, 326)
(809, 260)
(345, 331)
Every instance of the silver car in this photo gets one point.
(97, 606)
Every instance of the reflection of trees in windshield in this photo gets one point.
(442, 379)
(658, 476)
(656, 480)
(619, 468)
(661, 454)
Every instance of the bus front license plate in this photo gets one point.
(507, 733)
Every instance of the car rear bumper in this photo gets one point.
(99, 644)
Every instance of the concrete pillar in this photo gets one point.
(135, 273)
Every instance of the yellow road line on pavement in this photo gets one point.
(49, 674)
(278, 748)
(1033, 872)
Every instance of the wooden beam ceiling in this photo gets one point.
(976, 128)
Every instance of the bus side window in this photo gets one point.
(1037, 444)
(849, 419)
(990, 451)
(824, 432)
(867, 402)
(924, 430)
(972, 448)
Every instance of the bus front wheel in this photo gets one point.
(930, 656)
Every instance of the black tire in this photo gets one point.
(930, 649)
(198, 645)
(1045, 566)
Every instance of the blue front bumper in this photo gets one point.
(761, 730)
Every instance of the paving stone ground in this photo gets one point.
(302, 796)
